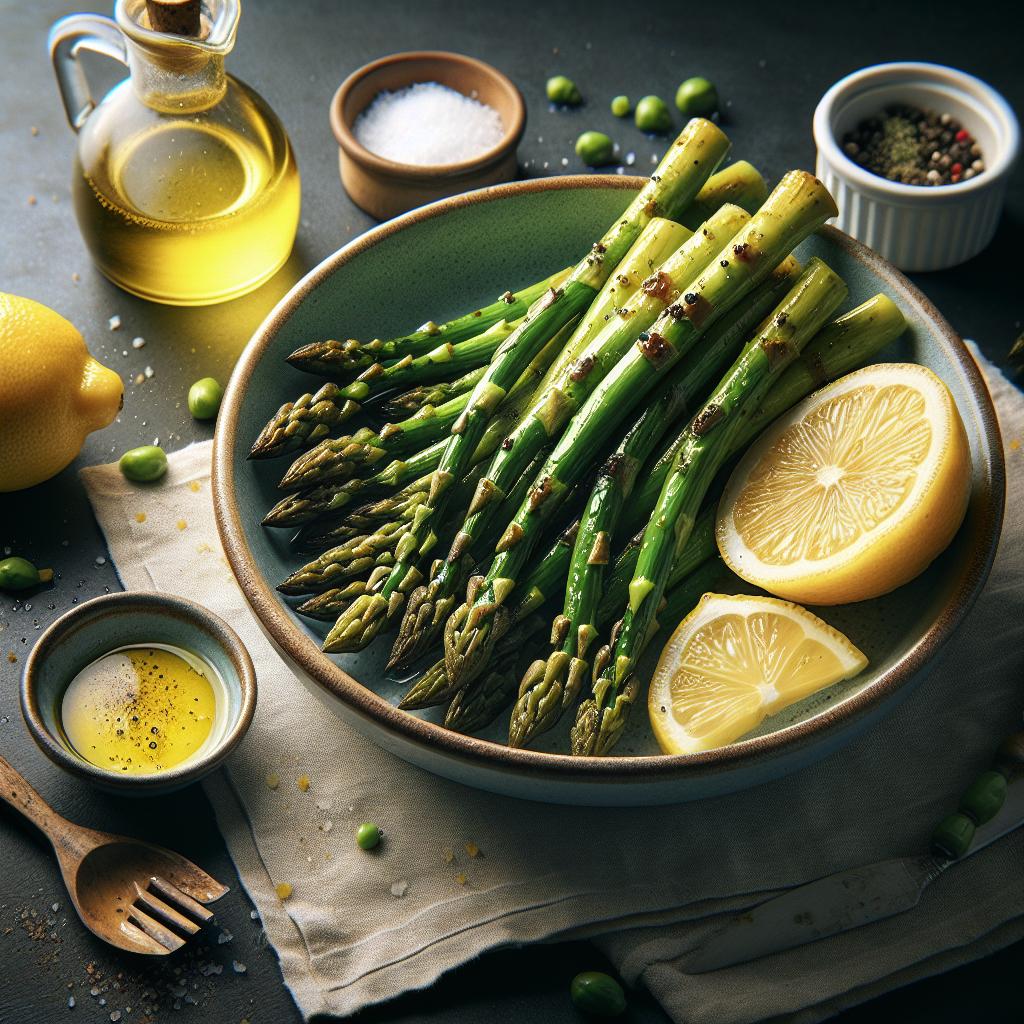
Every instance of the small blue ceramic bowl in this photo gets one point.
(105, 624)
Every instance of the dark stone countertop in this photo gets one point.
(771, 63)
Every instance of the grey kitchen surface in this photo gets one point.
(771, 64)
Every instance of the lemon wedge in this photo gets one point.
(735, 660)
(853, 492)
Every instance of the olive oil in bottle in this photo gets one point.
(185, 185)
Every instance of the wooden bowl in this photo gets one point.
(385, 188)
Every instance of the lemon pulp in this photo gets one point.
(140, 710)
(853, 492)
(836, 475)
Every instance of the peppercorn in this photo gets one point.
(914, 147)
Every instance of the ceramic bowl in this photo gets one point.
(385, 188)
(917, 228)
(544, 224)
(104, 624)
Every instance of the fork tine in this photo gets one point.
(171, 892)
(161, 909)
(155, 930)
(142, 941)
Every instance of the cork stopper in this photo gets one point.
(179, 17)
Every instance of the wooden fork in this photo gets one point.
(134, 895)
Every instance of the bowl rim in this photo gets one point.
(298, 648)
(126, 602)
(357, 152)
(898, 74)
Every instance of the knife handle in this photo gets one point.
(980, 802)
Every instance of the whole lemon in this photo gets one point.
(52, 393)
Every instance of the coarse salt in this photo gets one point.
(426, 124)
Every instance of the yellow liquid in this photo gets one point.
(140, 710)
(190, 210)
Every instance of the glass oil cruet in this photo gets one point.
(185, 185)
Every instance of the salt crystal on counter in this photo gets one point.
(426, 124)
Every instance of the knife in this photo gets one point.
(849, 899)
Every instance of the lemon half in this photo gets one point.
(853, 492)
(734, 660)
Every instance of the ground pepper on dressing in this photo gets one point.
(139, 710)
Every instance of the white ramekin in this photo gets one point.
(917, 227)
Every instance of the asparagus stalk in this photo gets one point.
(797, 207)
(311, 503)
(429, 605)
(336, 638)
(352, 558)
(551, 686)
(304, 422)
(686, 166)
(411, 401)
(338, 459)
(344, 359)
(434, 687)
(740, 184)
(709, 438)
(364, 520)
(474, 709)
(658, 240)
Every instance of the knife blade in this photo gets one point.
(839, 902)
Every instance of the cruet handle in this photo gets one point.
(67, 37)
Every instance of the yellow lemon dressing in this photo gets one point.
(140, 710)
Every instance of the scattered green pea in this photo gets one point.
(144, 464)
(204, 398)
(621, 106)
(595, 149)
(368, 836)
(652, 115)
(954, 836)
(984, 797)
(563, 90)
(20, 574)
(697, 97)
(598, 994)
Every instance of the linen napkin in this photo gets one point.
(463, 871)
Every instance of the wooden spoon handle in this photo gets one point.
(22, 797)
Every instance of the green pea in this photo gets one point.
(697, 97)
(598, 994)
(984, 797)
(204, 398)
(595, 149)
(145, 464)
(954, 836)
(368, 836)
(621, 106)
(652, 115)
(20, 574)
(563, 90)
